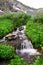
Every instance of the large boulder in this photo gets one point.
(11, 37)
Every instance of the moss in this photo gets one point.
(6, 26)
(6, 52)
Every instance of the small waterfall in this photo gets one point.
(26, 46)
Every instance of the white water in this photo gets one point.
(26, 46)
(29, 51)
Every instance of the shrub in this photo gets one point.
(8, 22)
(39, 61)
(34, 31)
(17, 18)
(20, 19)
(17, 61)
(39, 17)
(6, 26)
(6, 52)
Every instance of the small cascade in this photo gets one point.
(26, 46)
(23, 45)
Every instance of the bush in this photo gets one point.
(39, 17)
(6, 52)
(6, 26)
(8, 22)
(17, 18)
(20, 19)
(34, 31)
(17, 61)
(39, 61)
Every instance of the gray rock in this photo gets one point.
(11, 37)
(1, 12)
(2, 40)
(21, 28)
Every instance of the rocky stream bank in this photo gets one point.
(23, 46)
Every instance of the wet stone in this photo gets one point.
(16, 42)
(11, 37)
(21, 28)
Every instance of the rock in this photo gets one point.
(19, 33)
(11, 37)
(15, 43)
(23, 36)
(2, 40)
(1, 12)
(21, 28)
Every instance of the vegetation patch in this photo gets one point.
(8, 22)
(34, 31)
(17, 61)
(6, 52)
(6, 26)
(20, 19)
(38, 61)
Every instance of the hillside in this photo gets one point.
(15, 6)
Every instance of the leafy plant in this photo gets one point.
(17, 61)
(39, 61)
(34, 31)
(6, 52)
(8, 22)
(20, 19)
(6, 26)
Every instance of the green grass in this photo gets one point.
(38, 61)
(18, 19)
(17, 61)
(6, 52)
(9, 22)
(6, 26)
(34, 31)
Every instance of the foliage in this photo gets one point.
(17, 18)
(39, 61)
(8, 22)
(17, 61)
(20, 19)
(6, 26)
(39, 17)
(6, 52)
(34, 31)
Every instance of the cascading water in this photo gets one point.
(26, 46)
